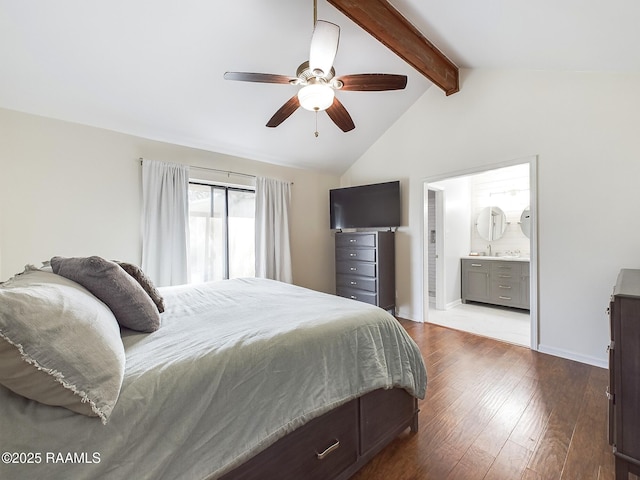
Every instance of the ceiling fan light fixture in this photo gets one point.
(316, 97)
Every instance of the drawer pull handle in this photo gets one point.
(353, 254)
(352, 240)
(353, 283)
(476, 264)
(504, 276)
(504, 298)
(353, 269)
(504, 286)
(353, 297)
(323, 455)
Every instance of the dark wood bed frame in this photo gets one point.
(337, 444)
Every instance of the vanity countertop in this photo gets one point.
(504, 258)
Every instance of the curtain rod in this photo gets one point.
(228, 172)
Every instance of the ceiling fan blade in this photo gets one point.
(284, 112)
(324, 46)
(259, 77)
(373, 82)
(340, 116)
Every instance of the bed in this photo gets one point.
(241, 378)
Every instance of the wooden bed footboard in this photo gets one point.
(337, 444)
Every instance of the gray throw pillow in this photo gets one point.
(145, 282)
(128, 301)
(59, 345)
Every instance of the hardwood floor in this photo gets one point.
(499, 411)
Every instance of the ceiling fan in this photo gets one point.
(318, 82)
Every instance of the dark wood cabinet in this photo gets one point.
(365, 267)
(336, 444)
(310, 452)
(624, 371)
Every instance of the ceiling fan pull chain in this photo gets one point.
(316, 132)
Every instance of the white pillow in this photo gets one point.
(59, 345)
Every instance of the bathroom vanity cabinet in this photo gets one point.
(496, 281)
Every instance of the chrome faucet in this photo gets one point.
(489, 247)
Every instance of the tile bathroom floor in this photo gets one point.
(506, 324)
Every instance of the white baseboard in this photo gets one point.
(578, 357)
(453, 304)
(406, 314)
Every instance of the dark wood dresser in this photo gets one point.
(624, 371)
(366, 267)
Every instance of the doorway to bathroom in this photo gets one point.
(488, 216)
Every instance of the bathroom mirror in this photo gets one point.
(525, 222)
(491, 223)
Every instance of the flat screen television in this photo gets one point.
(365, 206)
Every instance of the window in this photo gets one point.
(221, 232)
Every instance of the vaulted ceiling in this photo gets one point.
(154, 68)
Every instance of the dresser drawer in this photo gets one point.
(355, 294)
(318, 450)
(356, 240)
(352, 281)
(365, 267)
(363, 254)
(504, 279)
(506, 293)
(356, 268)
(504, 267)
(476, 265)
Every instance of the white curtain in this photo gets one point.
(273, 253)
(165, 222)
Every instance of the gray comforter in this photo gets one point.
(234, 366)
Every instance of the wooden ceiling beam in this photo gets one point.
(385, 23)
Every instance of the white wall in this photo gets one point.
(584, 129)
(73, 190)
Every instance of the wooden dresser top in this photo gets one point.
(628, 284)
